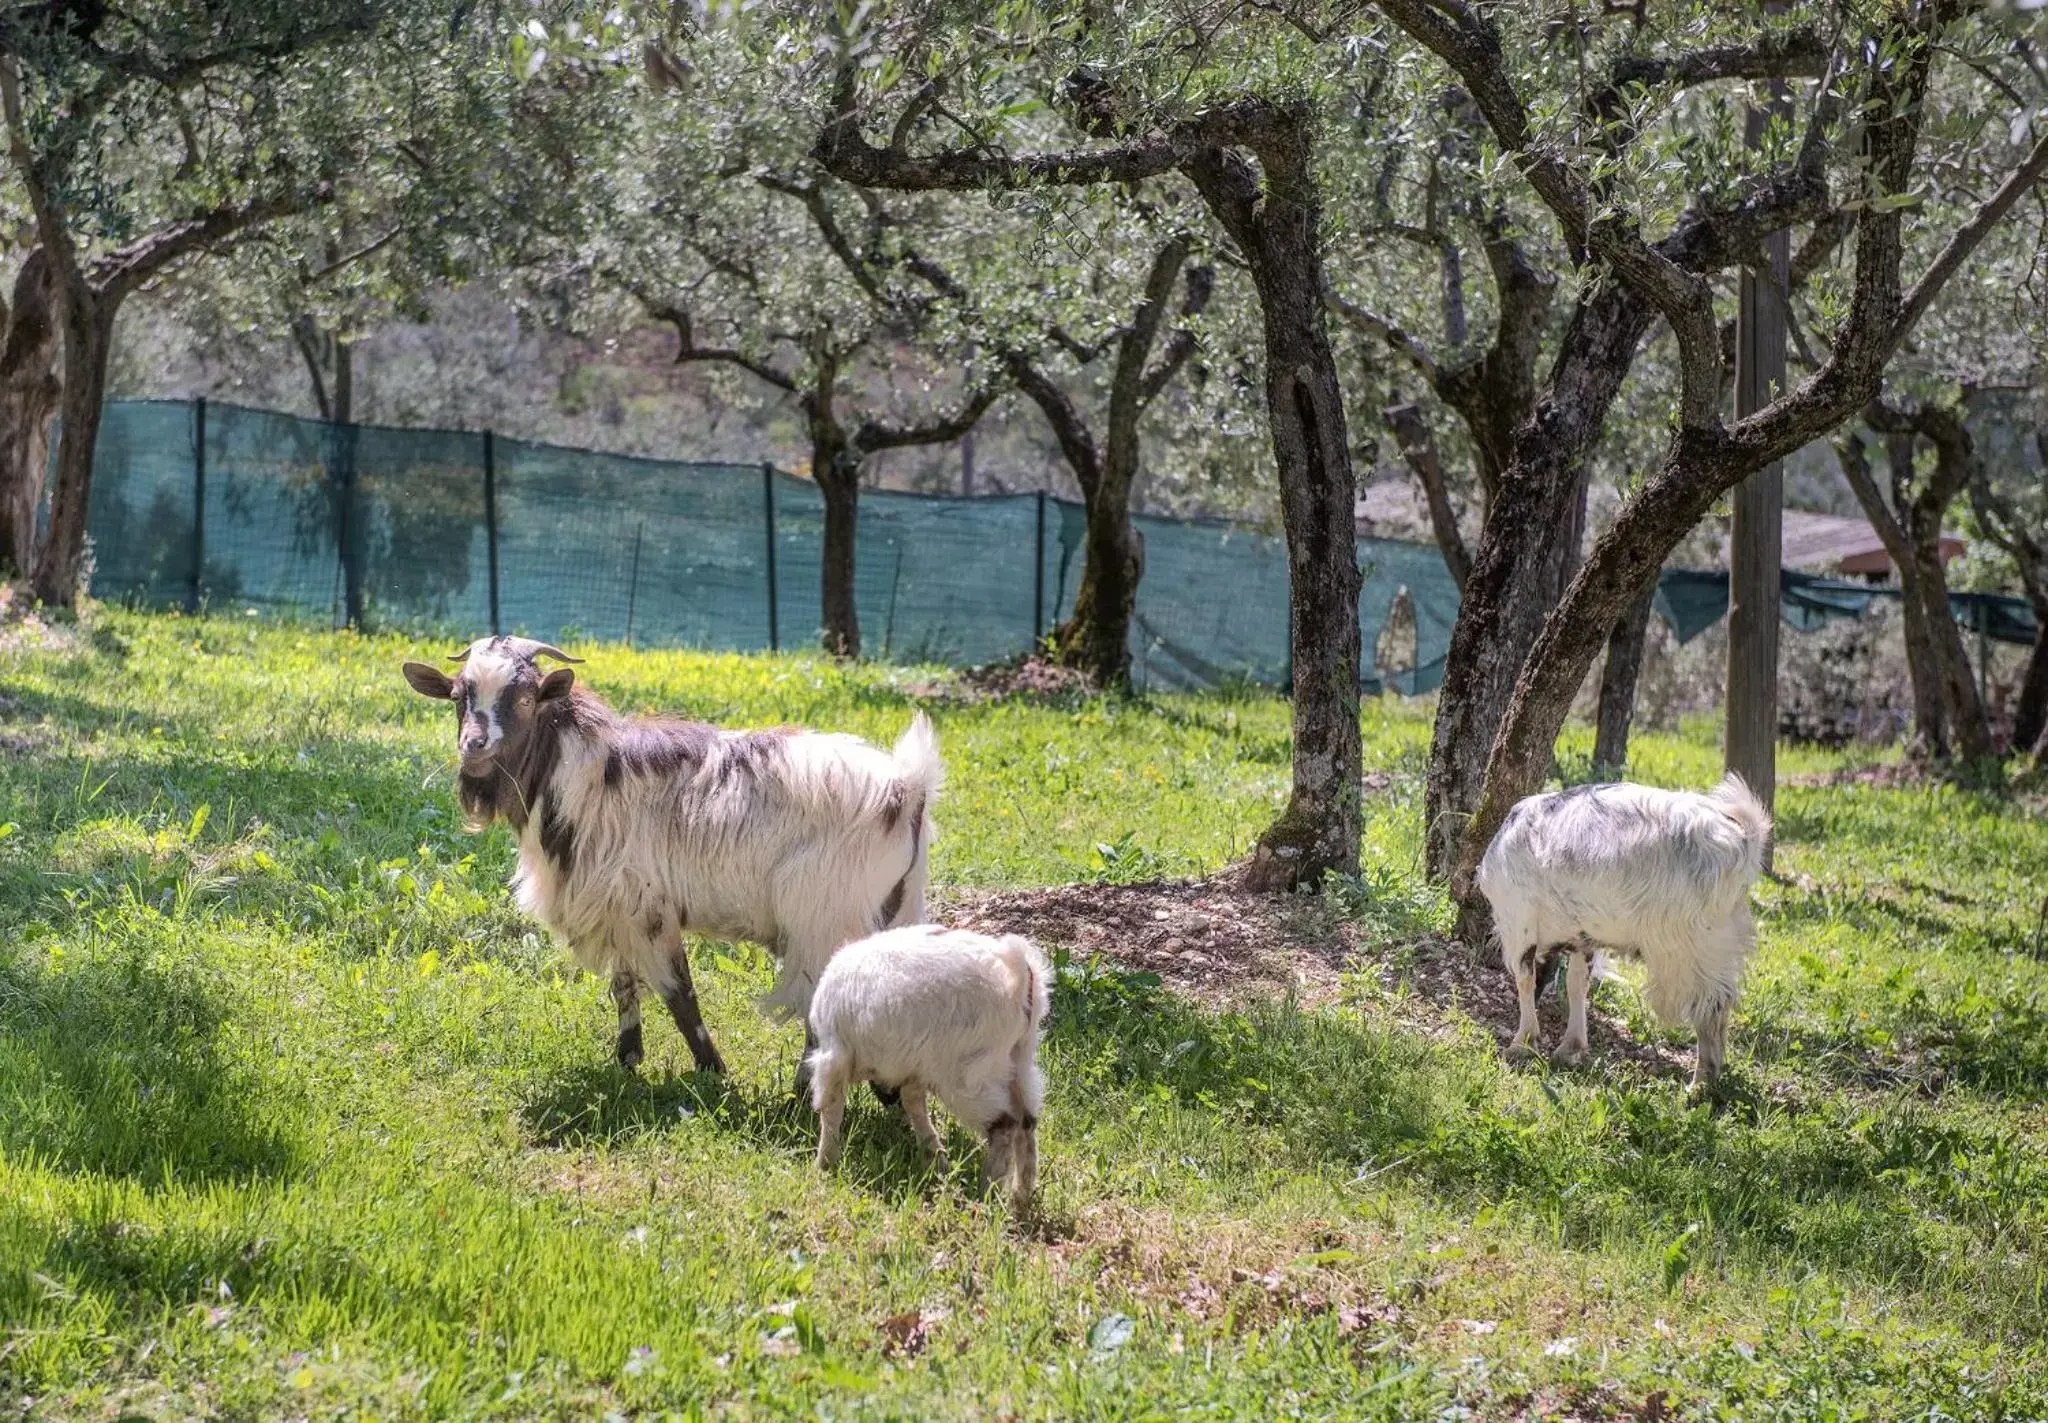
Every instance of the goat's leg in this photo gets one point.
(681, 997)
(831, 1104)
(917, 1110)
(1578, 977)
(1712, 1053)
(802, 951)
(999, 1157)
(1024, 1168)
(626, 996)
(1523, 1044)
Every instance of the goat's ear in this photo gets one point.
(557, 684)
(429, 681)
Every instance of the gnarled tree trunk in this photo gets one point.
(1911, 531)
(1272, 211)
(1930, 716)
(835, 465)
(1097, 638)
(1528, 552)
(1276, 226)
(29, 391)
(88, 319)
(1618, 678)
(2030, 717)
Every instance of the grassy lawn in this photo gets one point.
(298, 1117)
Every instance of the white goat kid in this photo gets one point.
(635, 831)
(936, 1012)
(1661, 875)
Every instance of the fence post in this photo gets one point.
(633, 587)
(768, 518)
(198, 503)
(1038, 577)
(491, 524)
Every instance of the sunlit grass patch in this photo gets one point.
(298, 1115)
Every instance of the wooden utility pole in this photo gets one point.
(1757, 533)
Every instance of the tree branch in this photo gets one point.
(688, 351)
(125, 268)
(822, 218)
(843, 151)
(1134, 347)
(1201, 281)
(1394, 337)
(874, 435)
(1780, 54)
(1069, 425)
(368, 249)
(50, 226)
(1418, 447)
(1966, 238)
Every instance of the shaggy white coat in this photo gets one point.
(937, 1012)
(633, 831)
(1662, 875)
(786, 841)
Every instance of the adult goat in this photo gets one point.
(633, 831)
(1661, 875)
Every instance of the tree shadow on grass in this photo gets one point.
(597, 1106)
(1631, 1158)
(1613, 1153)
(115, 1066)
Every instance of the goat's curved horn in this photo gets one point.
(462, 656)
(526, 647)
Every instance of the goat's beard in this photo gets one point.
(481, 791)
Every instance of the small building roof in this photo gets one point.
(1835, 543)
(1391, 506)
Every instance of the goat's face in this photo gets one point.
(498, 697)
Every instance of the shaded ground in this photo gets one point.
(1220, 944)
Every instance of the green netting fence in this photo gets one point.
(455, 533)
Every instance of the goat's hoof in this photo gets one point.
(1519, 1051)
(1569, 1055)
(630, 1060)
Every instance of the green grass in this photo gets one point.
(298, 1117)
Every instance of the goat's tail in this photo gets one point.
(918, 768)
(1738, 802)
(1028, 970)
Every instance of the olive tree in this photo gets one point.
(1120, 101)
(1580, 156)
(148, 135)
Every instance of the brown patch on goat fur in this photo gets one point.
(893, 905)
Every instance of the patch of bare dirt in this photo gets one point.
(1205, 937)
(999, 681)
(1214, 941)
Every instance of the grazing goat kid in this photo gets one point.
(634, 831)
(938, 1012)
(1662, 875)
